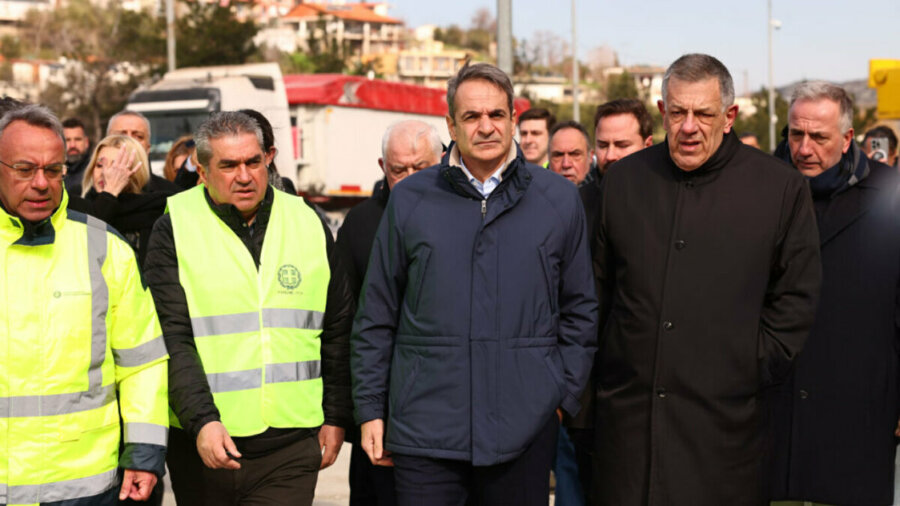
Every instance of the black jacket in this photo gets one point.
(834, 420)
(133, 214)
(708, 282)
(75, 172)
(189, 394)
(355, 238)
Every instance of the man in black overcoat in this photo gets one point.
(707, 263)
(836, 417)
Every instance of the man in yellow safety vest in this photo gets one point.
(82, 348)
(257, 319)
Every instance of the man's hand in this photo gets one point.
(137, 485)
(330, 440)
(213, 442)
(372, 442)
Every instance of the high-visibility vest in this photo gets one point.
(76, 325)
(257, 331)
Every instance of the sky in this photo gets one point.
(818, 39)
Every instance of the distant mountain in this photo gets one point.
(863, 96)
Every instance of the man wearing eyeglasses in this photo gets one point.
(81, 343)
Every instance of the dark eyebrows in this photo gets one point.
(228, 162)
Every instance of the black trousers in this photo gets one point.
(370, 485)
(524, 481)
(286, 477)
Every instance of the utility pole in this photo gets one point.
(772, 118)
(504, 36)
(170, 33)
(576, 112)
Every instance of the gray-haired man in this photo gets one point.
(257, 316)
(707, 262)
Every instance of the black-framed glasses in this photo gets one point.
(24, 171)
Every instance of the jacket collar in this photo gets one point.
(516, 178)
(27, 233)
(230, 215)
(845, 207)
(712, 167)
(452, 170)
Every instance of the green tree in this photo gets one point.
(95, 82)
(453, 35)
(758, 122)
(621, 86)
(10, 47)
(210, 35)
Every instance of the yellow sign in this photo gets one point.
(884, 76)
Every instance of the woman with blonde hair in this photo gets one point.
(123, 192)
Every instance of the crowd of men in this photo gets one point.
(695, 322)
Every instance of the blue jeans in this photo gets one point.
(565, 468)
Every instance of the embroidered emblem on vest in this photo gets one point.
(289, 276)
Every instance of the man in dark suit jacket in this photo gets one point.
(835, 419)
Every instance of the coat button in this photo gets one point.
(679, 244)
(804, 394)
(661, 393)
(668, 325)
(689, 184)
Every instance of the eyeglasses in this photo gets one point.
(26, 171)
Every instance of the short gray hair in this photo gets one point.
(221, 124)
(414, 129)
(34, 115)
(695, 67)
(484, 71)
(126, 112)
(823, 90)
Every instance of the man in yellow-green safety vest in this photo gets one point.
(256, 315)
(81, 345)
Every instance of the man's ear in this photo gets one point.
(848, 139)
(450, 128)
(201, 173)
(730, 116)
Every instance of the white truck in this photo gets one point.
(178, 103)
(328, 127)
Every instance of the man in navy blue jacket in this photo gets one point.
(478, 315)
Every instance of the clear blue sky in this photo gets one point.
(819, 39)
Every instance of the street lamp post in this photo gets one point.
(504, 36)
(772, 25)
(576, 112)
(170, 33)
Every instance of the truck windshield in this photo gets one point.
(167, 126)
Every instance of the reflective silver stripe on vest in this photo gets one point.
(96, 244)
(150, 351)
(56, 404)
(292, 319)
(225, 324)
(236, 380)
(147, 433)
(58, 491)
(293, 371)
